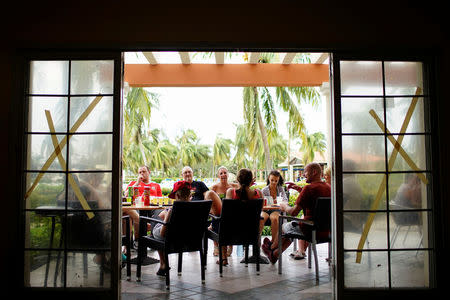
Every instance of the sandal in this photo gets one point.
(224, 262)
(161, 272)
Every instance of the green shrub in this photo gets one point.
(166, 191)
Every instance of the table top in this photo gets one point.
(153, 207)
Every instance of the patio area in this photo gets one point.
(238, 282)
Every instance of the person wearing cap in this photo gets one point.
(181, 192)
(142, 181)
(200, 191)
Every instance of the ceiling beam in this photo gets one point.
(254, 57)
(237, 75)
(185, 58)
(288, 58)
(150, 58)
(220, 57)
(320, 59)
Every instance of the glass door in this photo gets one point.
(71, 173)
(383, 162)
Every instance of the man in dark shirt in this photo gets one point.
(306, 199)
(200, 191)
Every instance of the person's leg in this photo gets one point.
(216, 207)
(274, 228)
(264, 216)
(134, 215)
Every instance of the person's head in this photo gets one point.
(222, 173)
(313, 172)
(245, 179)
(275, 178)
(144, 172)
(181, 191)
(188, 174)
(327, 175)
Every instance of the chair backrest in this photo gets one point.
(322, 214)
(187, 226)
(239, 221)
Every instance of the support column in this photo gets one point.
(325, 94)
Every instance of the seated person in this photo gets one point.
(221, 188)
(200, 191)
(274, 189)
(181, 192)
(306, 199)
(141, 182)
(409, 196)
(246, 180)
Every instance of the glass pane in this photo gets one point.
(363, 153)
(84, 269)
(397, 109)
(92, 77)
(414, 150)
(410, 269)
(361, 78)
(49, 77)
(356, 117)
(403, 78)
(408, 191)
(360, 191)
(90, 152)
(376, 237)
(49, 188)
(45, 229)
(57, 107)
(44, 268)
(95, 188)
(98, 225)
(40, 149)
(371, 272)
(99, 119)
(407, 230)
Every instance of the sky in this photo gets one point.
(210, 110)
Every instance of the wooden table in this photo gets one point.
(143, 207)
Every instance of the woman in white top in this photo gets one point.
(274, 189)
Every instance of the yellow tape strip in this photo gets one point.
(391, 162)
(61, 145)
(62, 162)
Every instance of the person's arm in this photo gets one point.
(229, 193)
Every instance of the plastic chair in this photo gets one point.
(238, 225)
(320, 223)
(185, 233)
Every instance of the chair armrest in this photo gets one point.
(148, 220)
(291, 218)
(214, 217)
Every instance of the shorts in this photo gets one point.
(157, 231)
(292, 228)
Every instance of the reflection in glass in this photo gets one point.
(99, 228)
(47, 189)
(371, 272)
(377, 236)
(356, 117)
(99, 119)
(408, 191)
(92, 77)
(414, 148)
(37, 120)
(40, 149)
(90, 152)
(397, 109)
(406, 229)
(42, 263)
(409, 269)
(361, 78)
(49, 77)
(84, 269)
(403, 78)
(363, 153)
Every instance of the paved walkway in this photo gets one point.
(238, 282)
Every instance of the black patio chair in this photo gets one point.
(238, 224)
(126, 241)
(321, 222)
(185, 233)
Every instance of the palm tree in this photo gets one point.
(137, 114)
(311, 144)
(190, 152)
(162, 152)
(258, 102)
(221, 151)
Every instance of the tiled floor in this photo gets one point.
(238, 281)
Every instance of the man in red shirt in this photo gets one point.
(306, 199)
(142, 181)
